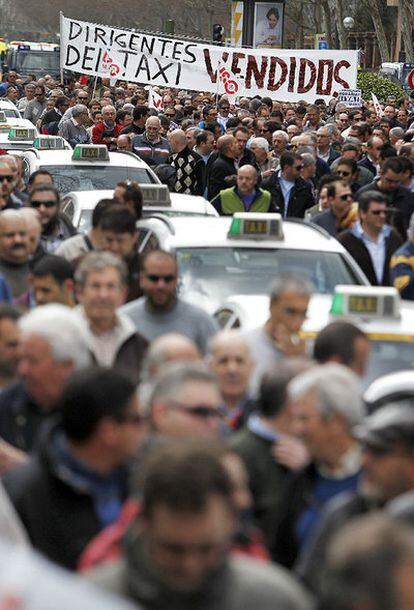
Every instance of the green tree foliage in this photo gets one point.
(370, 82)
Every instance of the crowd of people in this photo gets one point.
(170, 463)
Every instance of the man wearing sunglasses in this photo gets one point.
(371, 242)
(56, 227)
(8, 180)
(35, 107)
(291, 195)
(340, 214)
(161, 311)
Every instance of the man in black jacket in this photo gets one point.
(290, 192)
(53, 347)
(371, 242)
(51, 119)
(188, 165)
(397, 196)
(56, 227)
(76, 484)
(224, 167)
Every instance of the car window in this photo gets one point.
(100, 177)
(218, 273)
(388, 357)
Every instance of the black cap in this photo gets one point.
(388, 427)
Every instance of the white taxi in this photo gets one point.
(88, 167)
(9, 109)
(378, 311)
(79, 205)
(16, 134)
(221, 257)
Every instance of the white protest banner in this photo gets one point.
(377, 106)
(155, 100)
(286, 75)
(351, 97)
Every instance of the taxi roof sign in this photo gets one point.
(156, 195)
(90, 152)
(3, 118)
(49, 142)
(363, 301)
(248, 225)
(17, 134)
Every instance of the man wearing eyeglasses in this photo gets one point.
(179, 547)
(224, 112)
(397, 196)
(74, 130)
(340, 214)
(371, 242)
(324, 149)
(8, 181)
(50, 120)
(35, 107)
(161, 311)
(56, 227)
(291, 195)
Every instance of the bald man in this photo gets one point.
(14, 251)
(34, 230)
(188, 165)
(171, 347)
(231, 361)
(245, 196)
(223, 169)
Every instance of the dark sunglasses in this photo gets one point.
(8, 178)
(47, 204)
(346, 197)
(378, 212)
(152, 277)
(344, 173)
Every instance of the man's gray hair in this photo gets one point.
(336, 388)
(99, 261)
(78, 109)
(58, 325)
(279, 132)
(307, 159)
(261, 143)
(290, 282)
(174, 376)
(397, 132)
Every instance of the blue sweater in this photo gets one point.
(324, 489)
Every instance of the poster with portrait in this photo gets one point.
(268, 25)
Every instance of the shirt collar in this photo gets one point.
(349, 465)
(359, 231)
(256, 425)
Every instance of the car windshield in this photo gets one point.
(47, 61)
(85, 220)
(215, 274)
(10, 113)
(91, 178)
(388, 357)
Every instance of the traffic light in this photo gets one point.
(218, 33)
